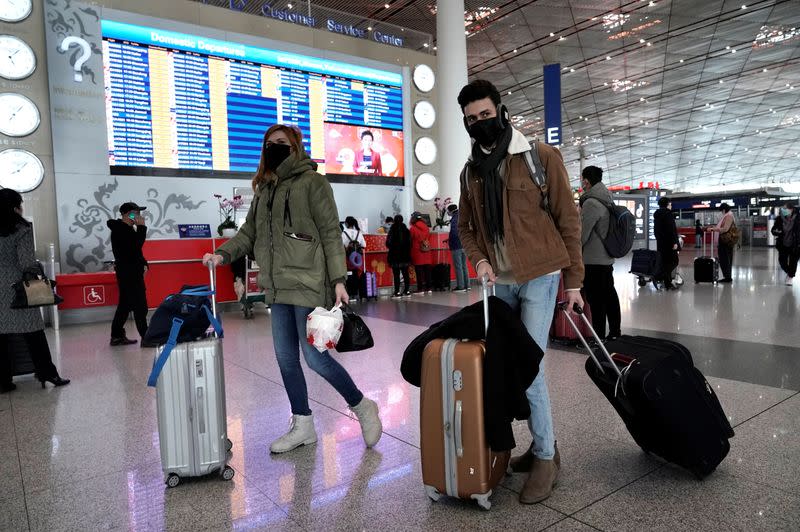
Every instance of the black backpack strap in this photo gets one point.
(536, 171)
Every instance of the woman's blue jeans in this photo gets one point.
(289, 337)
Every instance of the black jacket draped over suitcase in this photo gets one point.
(511, 363)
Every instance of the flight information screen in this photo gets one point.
(186, 105)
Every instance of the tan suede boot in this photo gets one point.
(524, 462)
(540, 482)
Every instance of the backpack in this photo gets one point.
(353, 247)
(181, 317)
(621, 230)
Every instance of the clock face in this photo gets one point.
(424, 79)
(424, 114)
(15, 10)
(425, 150)
(20, 170)
(17, 60)
(18, 115)
(427, 186)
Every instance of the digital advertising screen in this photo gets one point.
(185, 105)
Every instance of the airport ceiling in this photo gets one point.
(689, 93)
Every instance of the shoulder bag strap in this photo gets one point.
(172, 341)
(536, 171)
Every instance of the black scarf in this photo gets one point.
(488, 167)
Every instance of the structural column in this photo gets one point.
(453, 141)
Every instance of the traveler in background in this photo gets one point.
(457, 252)
(127, 238)
(512, 239)
(296, 242)
(368, 161)
(387, 225)
(354, 242)
(239, 270)
(17, 256)
(421, 255)
(399, 245)
(667, 242)
(598, 281)
(789, 250)
(698, 234)
(725, 251)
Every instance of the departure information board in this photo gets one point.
(179, 104)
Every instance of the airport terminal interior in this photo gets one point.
(165, 104)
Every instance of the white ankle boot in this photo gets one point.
(371, 427)
(301, 432)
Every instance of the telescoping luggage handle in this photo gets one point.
(579, 311)
(172, 341)
(486, 294)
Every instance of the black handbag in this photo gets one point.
(355, 333)
(34, 290)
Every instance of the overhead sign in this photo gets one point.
(552, 104)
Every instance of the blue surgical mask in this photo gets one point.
(784, 212)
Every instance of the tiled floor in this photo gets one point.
(85, 457)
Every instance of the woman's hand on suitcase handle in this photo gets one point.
(210, 258)
(341, 294)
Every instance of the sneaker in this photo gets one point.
(789, 281)
(397, 294)
(122, 341)
(459, 289)
(407, 293)
(429, 292)
(301, 432)
(367, 413)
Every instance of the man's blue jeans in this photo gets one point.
(288, 335)
(460, 264)
(536, 301)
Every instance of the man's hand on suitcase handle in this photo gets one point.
(484, 269)
(573, 302)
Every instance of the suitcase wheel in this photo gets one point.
(642, 281)
(173, 480)
(227, 473)
(483, 500)
(228, 444)
(433, 493)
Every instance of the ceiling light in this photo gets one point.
(509, 92)
(369, 28)
(724, 138)
(515, 50)
(642, 41)
(764, 70)
(721, 82)
(652, 4)
(562, 38)
(744, 6)
(612, 129)
(552, 34)
(425, 45)
(289, 6)
(681, 61)
(733, 51)
(605, 84)
(572, 70)
(649, 44)
(641, 99)
(386, 6)
(608, 58)
(666, 152)
(613, 20)
(727, 47)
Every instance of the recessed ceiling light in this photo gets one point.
(605, 84)
(744, 6)
(681, 61)
(721, 81)
(515, 50)
(552, 34)
(386, 6)
(289, 6)
(572, 70)
(509, 92)
(733, 51)
(763, 70)
(608, 58)
(641, 99)
(727, 47)
(562, 38)
(642, 41)
(649, 44)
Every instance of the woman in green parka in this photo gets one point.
(292, 231)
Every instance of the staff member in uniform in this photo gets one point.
(127, 238)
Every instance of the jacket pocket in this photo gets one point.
(296, 263)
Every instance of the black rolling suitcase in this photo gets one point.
(666, 403)
(706, 267)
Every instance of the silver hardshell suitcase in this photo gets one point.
(192, 421)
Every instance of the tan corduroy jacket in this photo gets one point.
(536, 243)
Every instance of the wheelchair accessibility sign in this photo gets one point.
(94, 295)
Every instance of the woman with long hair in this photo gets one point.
(398, 242)
(17, 256)
(292, 230)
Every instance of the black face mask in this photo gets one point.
(485, 132)
(275, 154)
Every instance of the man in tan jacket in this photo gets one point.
(522, 231)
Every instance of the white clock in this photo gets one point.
(17, 60)
(424, 78)
(20, 170)
(18, 115)
(425, 150)
(424, 114)
(427, 186)
(15, 10)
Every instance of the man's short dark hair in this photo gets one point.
(592, 174)
(663, 201)
(725, 207)
(389, 220)
(452, 208)
(478, 90)
(367, 132)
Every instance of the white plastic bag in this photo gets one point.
(324, 328)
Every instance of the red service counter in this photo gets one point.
(173, 263)
(375, 258)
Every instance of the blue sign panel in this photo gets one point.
(552, 104)
(194, 230)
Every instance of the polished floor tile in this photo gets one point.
(86, 456)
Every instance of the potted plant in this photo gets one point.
(442, 218)
(227, 208)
